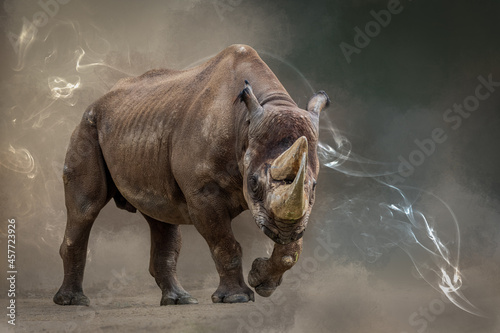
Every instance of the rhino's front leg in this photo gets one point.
(226, 253)
(266, 273)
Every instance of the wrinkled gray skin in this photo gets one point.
(190, 147)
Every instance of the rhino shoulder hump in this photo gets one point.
(240, 50)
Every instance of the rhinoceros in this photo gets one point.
(198, 147)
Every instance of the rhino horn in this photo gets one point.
(288, 201)
(287, 165)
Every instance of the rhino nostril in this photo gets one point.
(297, 236)
(269, 233)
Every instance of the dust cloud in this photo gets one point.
(393, 92)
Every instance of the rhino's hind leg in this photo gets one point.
(165, 247)
(86, 193)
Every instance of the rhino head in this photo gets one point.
(280, 164)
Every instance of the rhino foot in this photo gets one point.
(262, 279)
(171, 299)
(71, 298)
(226, 295)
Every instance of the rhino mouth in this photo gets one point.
(280, 236)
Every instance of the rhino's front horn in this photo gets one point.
(287, 165)
(288, 202)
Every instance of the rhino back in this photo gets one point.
(169, 137)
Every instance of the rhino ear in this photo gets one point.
(318, 102)
(250, 100)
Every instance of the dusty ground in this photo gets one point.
(129, 314)
(347, 300)
(336, 295)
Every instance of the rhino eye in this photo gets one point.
(253, 183)
(314, 185)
